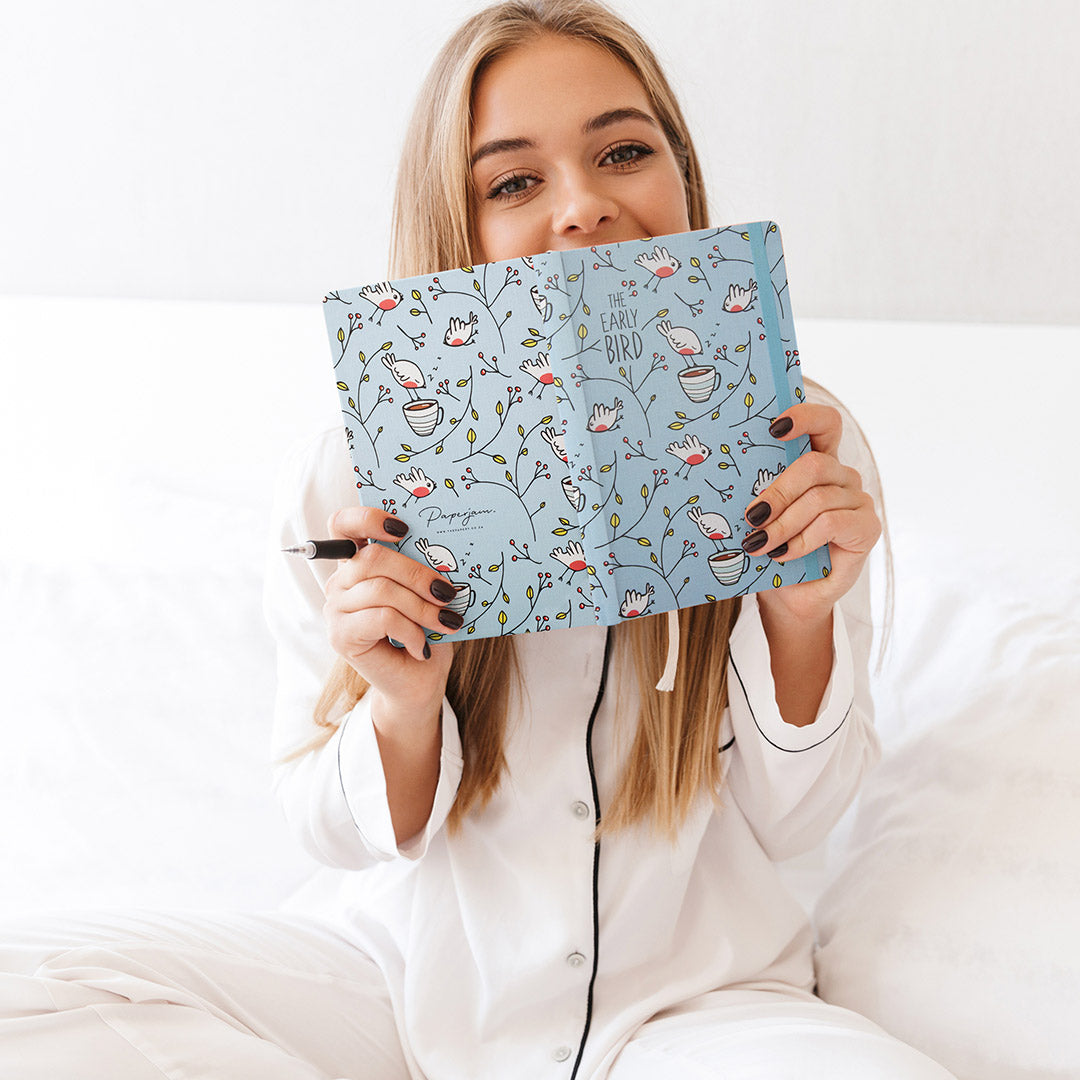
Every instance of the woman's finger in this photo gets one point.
(356, 634)
(361, 523)
(796, 518)
(839, 517)
(382, 592)
(376, 561)
(821, 422)
(812, 470)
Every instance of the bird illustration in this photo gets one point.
(438, 558)
(574, 495)
(556, 440)
(460, 332)
(384, 296)
(572, 557)
(692, 451)
(661, 264)
(405, 373)
(714, 526)
(604, 417)
(681, 338)
(541, 302)
(416, 482)
(540, 370)
(764, 479)
(636, 603)
(738, 298)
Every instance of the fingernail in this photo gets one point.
(395, 526)
(759, 513)
(451, 619)
(427, 651)
(443, 591)
(755, 541)
(781, 427)
(777, 551)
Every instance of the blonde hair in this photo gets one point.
(674, 756)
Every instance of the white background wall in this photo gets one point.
(920, 155)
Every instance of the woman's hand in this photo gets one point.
(380, 593)
(814, 501)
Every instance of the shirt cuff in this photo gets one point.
(750, 663)
(363, 783)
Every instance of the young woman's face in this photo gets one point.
(568, 153)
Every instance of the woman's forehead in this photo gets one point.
(550, 83)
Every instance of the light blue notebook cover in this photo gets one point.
(573, 437)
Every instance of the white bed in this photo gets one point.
(139, 442)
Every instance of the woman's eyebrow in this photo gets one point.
(596, 123)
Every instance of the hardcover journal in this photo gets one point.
(573, 437)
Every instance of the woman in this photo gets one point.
(566, 872)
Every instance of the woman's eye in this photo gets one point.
(626, 154)
(513, 187)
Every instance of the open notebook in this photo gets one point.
(573, 437)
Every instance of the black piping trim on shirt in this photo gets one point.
(727, 746)
(787, 750)
(596, 855)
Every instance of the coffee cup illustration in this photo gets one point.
(728, 566)
(699, 383)
(463, 599)
(423, 415)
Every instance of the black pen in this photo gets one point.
(323, 549)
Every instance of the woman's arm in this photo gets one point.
(813, 502)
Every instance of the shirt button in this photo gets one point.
(561, 1053)
(581, 809)
(575, 959)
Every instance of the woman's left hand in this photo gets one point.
(814, 501)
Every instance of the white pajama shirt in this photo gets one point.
(520, 940)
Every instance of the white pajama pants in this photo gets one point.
(196, 996)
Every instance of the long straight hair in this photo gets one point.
(673, 756)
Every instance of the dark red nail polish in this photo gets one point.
(427, 651)
(395, 526)
(755, 541)
(777, 552)
(759, 513)
(451, 619)
(443, 591)
(781, 427)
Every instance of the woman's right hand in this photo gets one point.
(378, 594)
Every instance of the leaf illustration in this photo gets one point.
(449, 483)
(406, 446)
(693, 280)
(614, 521)
(509, 477)
(506, 599)
(563, 521)
(777, 581)
(748, 400)
(416, 294)
(825, 572)
(467, 269)
(693, 499)
(343, 387)
(753, 380)
(476, 285)
(414, 311)
(558, 532)
(676, 426)
(471, 630)
(739, 348)
(436, 637)
(535, 333)
(725, 449)
(403, 457)
(361, 357)
(622, 372)
(463, 382)
(493, 569)
(502, 618)
(618, 498)
(499, 458)
(352, 404)
(530, 343)
(529, 592)
(545, 419)
(653, 558)
(644, 541)
(644, 491)
(583, 331)
(471, 436)
(745, 235)
(722, 465)
(661, 313)
(388, 345)
(681, 415)
(521, 430)
(712, 598)
(605, 468)
(667, 512)
(475, 414)
(439, 449)
(716, 415)
(340, 335)
(561, 615)
(695, 261)
(585, 308)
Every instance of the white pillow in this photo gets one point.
(955, 923)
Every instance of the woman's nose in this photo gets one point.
(582, 206)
